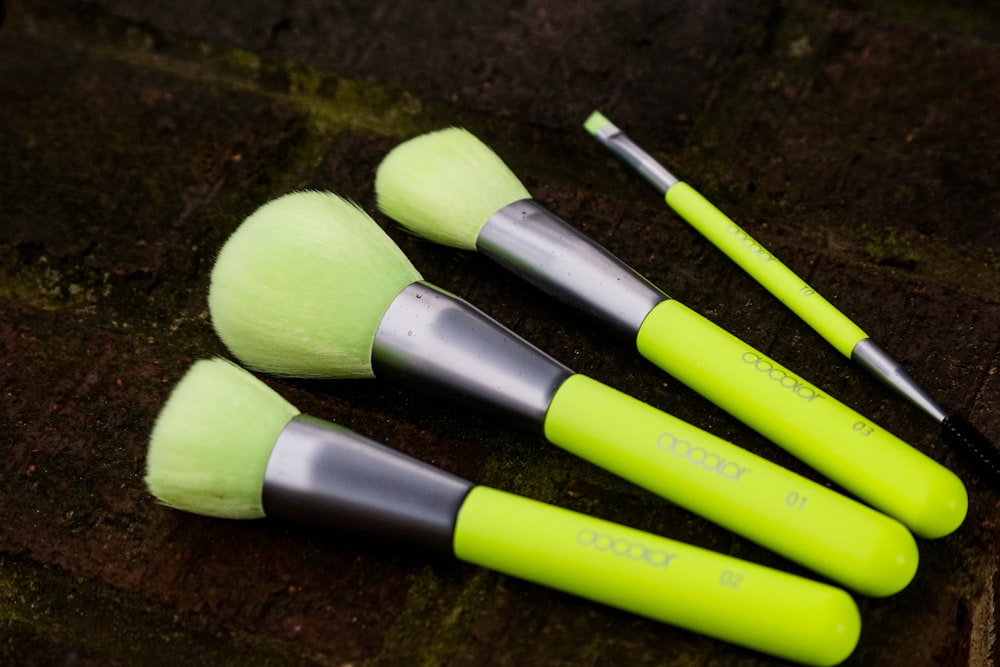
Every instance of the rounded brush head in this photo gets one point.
(445, 185)
(300, 287)
(211, 443)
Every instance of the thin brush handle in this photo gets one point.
(847, 447)
(789, 514)
(767, 269)
(839, 330)
(709, 593)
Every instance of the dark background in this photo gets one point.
(858, 140)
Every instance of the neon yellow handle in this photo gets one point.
(850, 449)
(767, 269)
(710, 593)
(808, 523)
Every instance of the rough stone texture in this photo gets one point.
(858, 140)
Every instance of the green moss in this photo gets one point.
(240, 60)
(302, 79)
(889, 248)
(47, 609)
(46, 286)
(440, 613)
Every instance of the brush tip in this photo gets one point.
(209, 447)
(300, 287)
(960, 434)
(596, 122)
(445, 185)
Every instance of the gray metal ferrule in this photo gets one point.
(433, 339)
(618, 143)
(877, 362)
(537, 245)
(322, 473)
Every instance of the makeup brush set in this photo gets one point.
(310, 286)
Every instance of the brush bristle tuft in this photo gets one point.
(300, 287)
(210, 445)
(444, 185)
(596, 122)
(961, 435)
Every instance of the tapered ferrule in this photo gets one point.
(322, 473)
(877, 361)
(434, 339)
(648, 167)
(535, 244)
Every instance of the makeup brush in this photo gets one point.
(310, 285)
(450, 187)
(842, 333)
(226, 445)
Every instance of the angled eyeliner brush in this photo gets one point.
(829, 322)
(226, 445)
(309, 285)
(450, 187)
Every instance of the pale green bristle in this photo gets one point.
(210, 445)
(445, 185)
(596, 122)
(300, 287)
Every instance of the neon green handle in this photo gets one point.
(789, 514)
(767, 269)
(850, 449)
(709, 593)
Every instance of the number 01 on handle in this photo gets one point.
(808, 523)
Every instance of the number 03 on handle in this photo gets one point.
(829, 533)
(850, 449)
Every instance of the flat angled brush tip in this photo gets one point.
(960, 434)
(596, 122)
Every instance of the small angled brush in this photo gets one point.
(842, 333)
(449, 187)
(309, 285)
(226, 445)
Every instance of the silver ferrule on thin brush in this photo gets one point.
(618, 143)
(433, 339)
(324, 474)
(877, 362)
(535, 244)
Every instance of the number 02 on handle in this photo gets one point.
(700, 590)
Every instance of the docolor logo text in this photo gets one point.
(750, 243)
(781, 376)
(699, 456)
(624, 548)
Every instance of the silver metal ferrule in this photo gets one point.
(325, 474)
(618, 143)
(535, 244)
(431, 338)
(877, 362)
